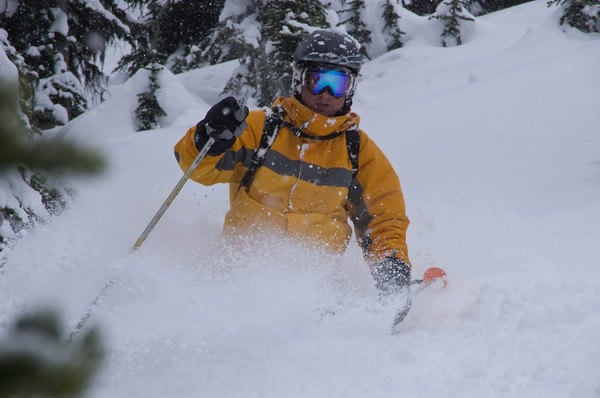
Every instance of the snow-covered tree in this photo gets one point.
(187, 22)
(236, 36)
(475, 7)
(166, 34)
(147, 48)
(166, 29)
(54, 50)
(284, 23)
(36, 362)
(453, 14)
(580, 14)
(28, 193)
(271, 30)
(194, 21)
(150, 51)
(23, 78)
(149, 110)
(391, 28)
(421, 7)
(352, 18)
(62, 44)
(481, 7)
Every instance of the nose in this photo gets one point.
(327, 90)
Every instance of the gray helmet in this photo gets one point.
(329, 47)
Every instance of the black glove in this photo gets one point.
(224, 122)
(391, 275)
(392, 279)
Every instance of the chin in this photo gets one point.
(325, 110)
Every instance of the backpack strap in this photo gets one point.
(273, 123)
(353, 145)
(298, 132)
(357, 211)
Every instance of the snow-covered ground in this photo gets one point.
(497, 144)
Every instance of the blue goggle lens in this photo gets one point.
(318, 80)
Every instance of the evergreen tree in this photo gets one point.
(244, 82)
(195, 22)
(187, 22)
(391, 30)
(452, 13)
(35, 360)
(149, 110)
(481, 7)
(27, 163)
(354, 24)
(580, 14)
(148, 46)
(283, 25)
(265, 67)
(165, 35)
(149, 53)
(53, 47)
(22, 82)
(62, 44)
(421, 7)
(170, 32)
(236, 37)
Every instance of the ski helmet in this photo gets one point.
(327, 49)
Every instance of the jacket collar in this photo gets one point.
(311, 122)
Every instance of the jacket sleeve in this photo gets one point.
(377, 206)
(228, 167)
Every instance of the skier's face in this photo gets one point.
(323, 103)
(324, 90)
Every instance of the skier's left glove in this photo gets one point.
(392, 279)
(391, 275)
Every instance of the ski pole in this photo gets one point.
(138, 243)
(429, 276)
(90, 309)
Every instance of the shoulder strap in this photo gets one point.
(356, 208)
(297, 131)
(273, 122)
(353, 145)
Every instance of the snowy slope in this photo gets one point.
(498, 149)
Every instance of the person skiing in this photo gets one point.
(303, 168)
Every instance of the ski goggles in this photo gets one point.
(318, 80)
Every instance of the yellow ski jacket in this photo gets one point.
(301, 190)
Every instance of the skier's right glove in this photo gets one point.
(224, 122)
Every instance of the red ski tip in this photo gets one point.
(433, 273)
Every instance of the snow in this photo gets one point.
(60, 24)
(8, 71)
(9, 7)
(496, 143)
(98, 8)
(12, 182)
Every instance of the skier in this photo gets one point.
(303, 168)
